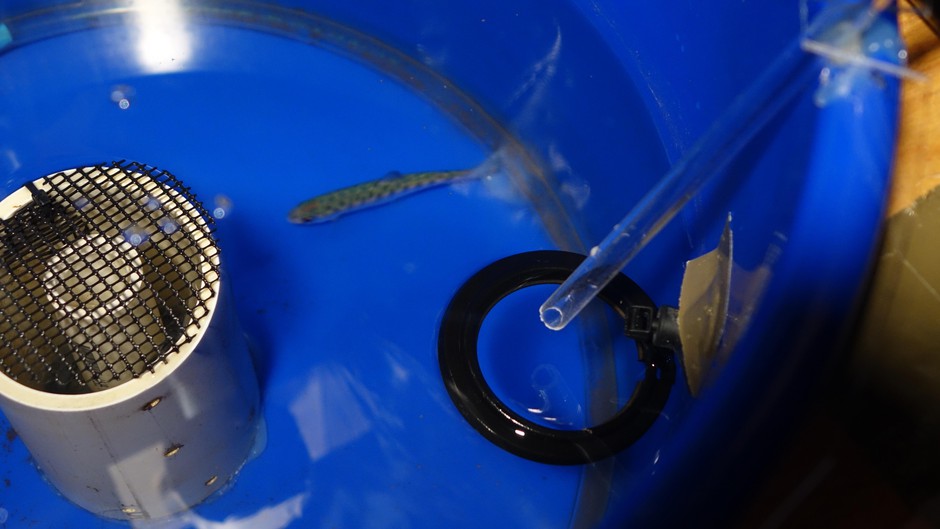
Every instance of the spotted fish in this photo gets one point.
(329, 206)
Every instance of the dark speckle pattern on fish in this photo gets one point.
(327, 207)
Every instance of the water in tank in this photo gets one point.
(396, 188)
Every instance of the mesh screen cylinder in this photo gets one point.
(122, 365)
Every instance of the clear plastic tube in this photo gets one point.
(790, 74)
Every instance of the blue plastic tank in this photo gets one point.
(259, 105)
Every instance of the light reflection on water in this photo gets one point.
(328, 411)
(559, 405)
(276, 516)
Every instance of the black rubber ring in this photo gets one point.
(460, 367)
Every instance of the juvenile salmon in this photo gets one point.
(329, 206)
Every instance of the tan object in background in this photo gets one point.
(703, 311)
(917, 158)
(897, 346)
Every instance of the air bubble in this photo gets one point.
(122, 95)
(135, 235)
(168, 225)
(223, 206)
(150, 203)
(81, 203)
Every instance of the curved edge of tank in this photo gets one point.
(800, 331)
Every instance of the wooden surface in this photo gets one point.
(917, 163)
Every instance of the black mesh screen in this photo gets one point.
(105, 272)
